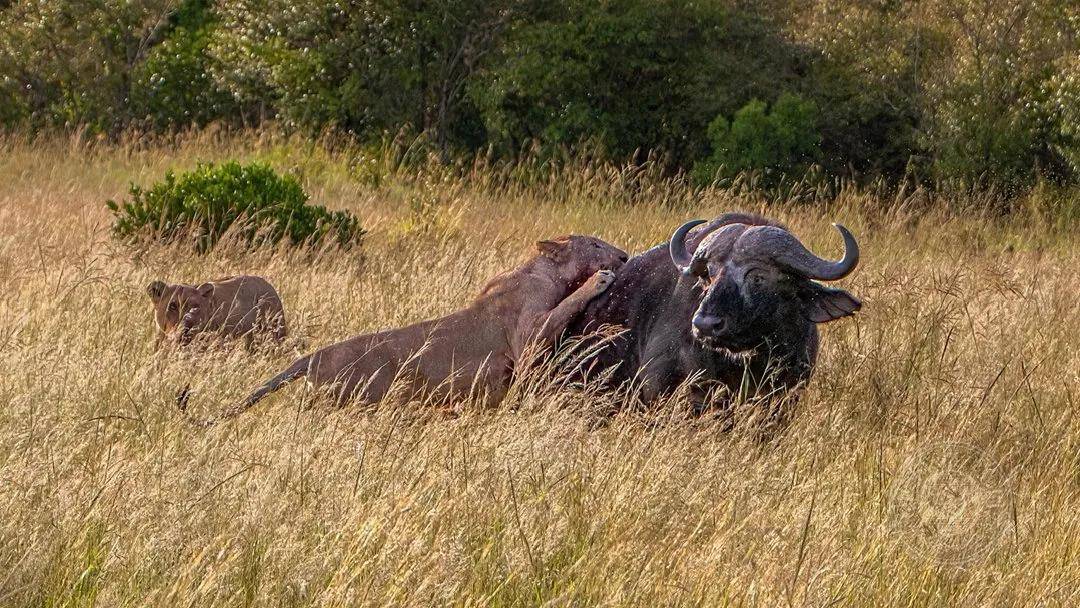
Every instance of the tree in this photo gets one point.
(173, 86)
(368, 66)
(71, 61)
(631, 75)
(991, 123)
(783, 141)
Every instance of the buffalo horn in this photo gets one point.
(792, 254)
(677, 246)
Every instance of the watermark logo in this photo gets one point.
(950, 504)
(1062, 595)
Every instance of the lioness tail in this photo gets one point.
(297, 369)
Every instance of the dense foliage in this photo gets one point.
(953, 93)
(249, 201)
(630, 75)
(775, 143)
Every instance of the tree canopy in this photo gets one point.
(968, 93)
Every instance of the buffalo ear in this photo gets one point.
(205, 290)
(553, 249)
(824, 304)
(155, 290)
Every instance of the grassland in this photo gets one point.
(933, 461)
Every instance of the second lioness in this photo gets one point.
(244, 306)
(472, 349)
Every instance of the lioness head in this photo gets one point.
(180, 307)
(580, 257)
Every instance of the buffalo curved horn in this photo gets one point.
(677, 246)
(794, 255)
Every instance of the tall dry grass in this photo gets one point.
(933, 461)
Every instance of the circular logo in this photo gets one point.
(950, 503)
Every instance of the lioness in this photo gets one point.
(230, 307)
(472, 349)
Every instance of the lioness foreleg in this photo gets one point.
(555, 322)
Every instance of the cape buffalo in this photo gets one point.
(734, 303)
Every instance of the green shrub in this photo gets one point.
(173, 86)
(774, 143)
(252, 200)
(629, 75)
(70, 61)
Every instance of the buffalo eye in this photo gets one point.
(174, 307)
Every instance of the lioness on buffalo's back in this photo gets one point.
(243, 306)
(474, 349)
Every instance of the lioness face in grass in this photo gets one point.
(172, 302)
(229, 307)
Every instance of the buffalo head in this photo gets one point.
(757, 281)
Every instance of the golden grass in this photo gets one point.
(933, 461)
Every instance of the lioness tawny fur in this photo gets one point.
(473, 349)
(243, 306)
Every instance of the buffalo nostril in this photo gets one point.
(709, 325)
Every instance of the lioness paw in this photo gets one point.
(602, 280)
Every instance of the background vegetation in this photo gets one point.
(956, 94)
(251, 203)
(933, 460)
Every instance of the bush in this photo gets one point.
(1062, 104)
(950, 94)
(251, 200)
(173, 87)
(69, 61)
(773, 144)
(866, 81)
(629, 75)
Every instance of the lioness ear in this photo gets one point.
(155, 289)
(552, 249)
(205, 290)
(826, 304)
